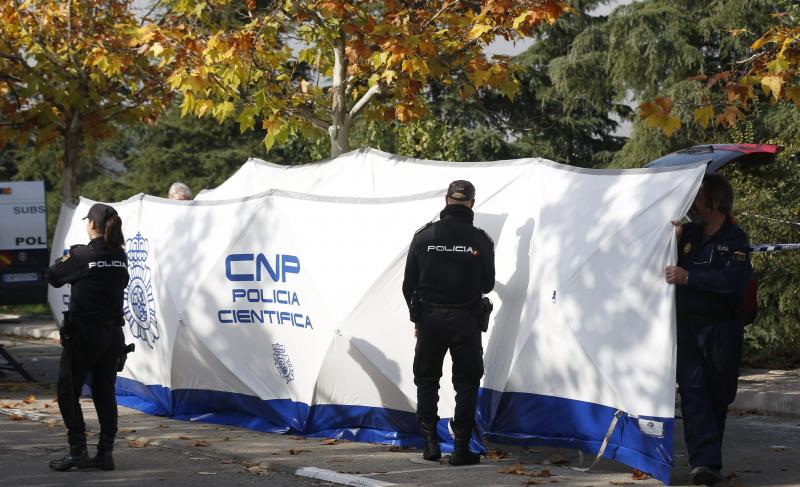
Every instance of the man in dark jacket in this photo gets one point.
(711, 278)
(450, 266)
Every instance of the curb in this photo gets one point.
(769, 403)
(29, 331)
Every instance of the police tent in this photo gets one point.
(282, 310)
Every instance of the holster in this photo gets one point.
(123, 356)
(485, 312)
(65, 331)
(415, 308)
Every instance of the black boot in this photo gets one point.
(104, 460)
(430, 449)
(77, 457)
(461, 454)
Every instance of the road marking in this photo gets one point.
(340, 478)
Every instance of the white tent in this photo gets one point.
(282, 311)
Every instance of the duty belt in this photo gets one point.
(466, 304)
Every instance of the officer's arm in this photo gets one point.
(731, 277)
(411, 278)
(487, 277)
(66, 270)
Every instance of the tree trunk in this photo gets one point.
(72, 150)
(339, 130)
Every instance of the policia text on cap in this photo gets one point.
(450, 266)
(92, 334)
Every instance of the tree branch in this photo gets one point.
(365, 98)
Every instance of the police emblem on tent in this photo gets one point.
(282, 362)
(139, 308)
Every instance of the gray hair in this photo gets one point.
(179, 191)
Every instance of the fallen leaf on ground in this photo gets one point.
(496, 454)
(139, 442)
(544, 473)
(621, 483)
(257, 470)
(639, 475)
(184, 437)
(400, 448)
(6, 406)
(227, 438)
(16, 417)
(46, 406)
(201, 443)
(162, 426)
(557, 460)
(127, 430)
(516, 469)
(30, 399)
(532, 482)
(297, 451)
(329, 441)
(51, 423)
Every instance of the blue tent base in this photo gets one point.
(504, 418)
(568, 423)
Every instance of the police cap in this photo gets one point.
(461, 190)
(99, 213)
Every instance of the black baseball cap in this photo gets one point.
(461, 190)
(99, 213)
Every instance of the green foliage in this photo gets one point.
(766, 194)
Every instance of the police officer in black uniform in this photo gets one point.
(92, 335)
(711, 278)
(450, 266)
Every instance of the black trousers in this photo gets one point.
(708, 374)
(456, 330)
(95, 349)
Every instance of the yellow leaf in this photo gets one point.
(672, 124)
(703, 115)
(778, 65)
(389, 75)
(509, 88)
(187, 105)
(156, 48)
(223, 110)
(519, 19)
(478, 30)
(773, 84)
(480, 77)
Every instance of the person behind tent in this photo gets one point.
(450, 265)
(179, 191)
(711, 277)
(91, 335)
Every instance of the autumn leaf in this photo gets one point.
(703, 115)
(672, 124)
(793, 94)
(478, 30)
(772, 84)
(16, 417)
(496, 454)
(30, 399)
(516, 469)
(139, 442)
(329, 441)
(201, 443)
(297, 451)
(639, 475)
(557, 460)
(544, 473)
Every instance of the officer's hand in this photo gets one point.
(676, 275)
(678, 227)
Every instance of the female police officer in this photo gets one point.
(91, 335)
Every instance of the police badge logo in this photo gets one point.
(139, 308)
(282, 362)
(687, 248)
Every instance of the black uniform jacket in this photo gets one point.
(450, 261)
(719, 269)
(99, 276)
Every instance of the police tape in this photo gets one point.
(774, 247)
(762, 217)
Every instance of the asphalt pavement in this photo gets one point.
(760, 449)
